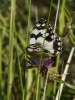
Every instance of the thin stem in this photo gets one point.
(56, 15)
(54, 31)
(43, 98)
(41, 54)
(10, 66)
(0, 59)
(27, 86)
(64, 74)
(28, 22)
(37, 86)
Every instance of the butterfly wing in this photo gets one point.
(43, 33)
(36, 50)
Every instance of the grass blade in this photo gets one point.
(10, 66)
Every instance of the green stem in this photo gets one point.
(0, 62)
(38, 77)
(12, 27)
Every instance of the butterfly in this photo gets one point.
(43, 41)
(42, 36)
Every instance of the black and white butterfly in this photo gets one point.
(42, 36)
(43, 41)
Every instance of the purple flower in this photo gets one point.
(34, 62)
(47, 63)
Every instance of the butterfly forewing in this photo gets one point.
(43, 33)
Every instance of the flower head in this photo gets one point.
(45, 64)
(34, 62)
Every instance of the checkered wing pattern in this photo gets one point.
(42, 36)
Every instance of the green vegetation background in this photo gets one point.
(17, 18)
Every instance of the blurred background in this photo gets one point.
(24, 81)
